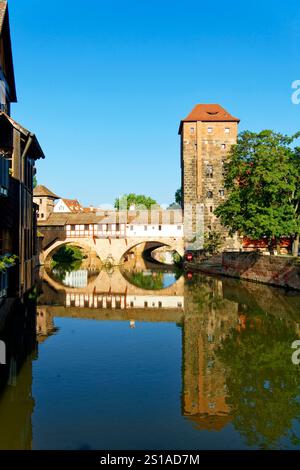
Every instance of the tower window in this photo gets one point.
(222, 192)
(209, 194)
(223, 146)
(209, 171)
(227, 130)
(211, 209)
(209, 130)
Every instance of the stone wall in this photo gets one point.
(275, 270)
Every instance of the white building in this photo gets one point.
(67, 206)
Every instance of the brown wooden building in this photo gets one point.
(19, 150)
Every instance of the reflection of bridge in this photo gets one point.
(203, 384)
(110, 290)
(213, 310)
(112, 234)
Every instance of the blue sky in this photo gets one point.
(105, 83)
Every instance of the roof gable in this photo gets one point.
(34, 147)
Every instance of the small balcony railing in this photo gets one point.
(4, 176)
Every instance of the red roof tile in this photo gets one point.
(209, 113)
(73, 205)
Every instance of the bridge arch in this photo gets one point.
(151, 245)
(113, 248)
(54, 247)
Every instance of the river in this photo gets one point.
(149, 358)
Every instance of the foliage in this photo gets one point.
(178, 197)
(212, 242)
(60, 269)
(139, 200)
(262, 176)
(263, 385)
(35, 181)
(177, 259)
(66, 259)
(7, 261)
(148, 281)
(68, 254)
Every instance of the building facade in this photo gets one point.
(67, 206)
(207, 135)
(19, 150)
(45, 200)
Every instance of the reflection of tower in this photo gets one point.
(207, 322)
(44, 324)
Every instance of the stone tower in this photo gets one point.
(45, 199)
(207, 134)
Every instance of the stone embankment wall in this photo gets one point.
(282, 271)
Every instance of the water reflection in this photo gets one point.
(151, 280)
(18, 331)
(205, 362)
(243, 333)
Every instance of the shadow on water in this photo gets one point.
(18, 332)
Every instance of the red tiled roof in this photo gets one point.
(209, 113)
(106, 217)
(73, 205)
(42, 191)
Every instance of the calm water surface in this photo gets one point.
(150, 360)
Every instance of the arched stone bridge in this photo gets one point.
(114, 249)
(112, 234)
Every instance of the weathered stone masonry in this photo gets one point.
(207, 135)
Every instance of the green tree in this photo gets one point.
(213, 242)
(35, 181)
(262, 382)
(178, 197)
(262, 177)
(139, 200)
(66, 260)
